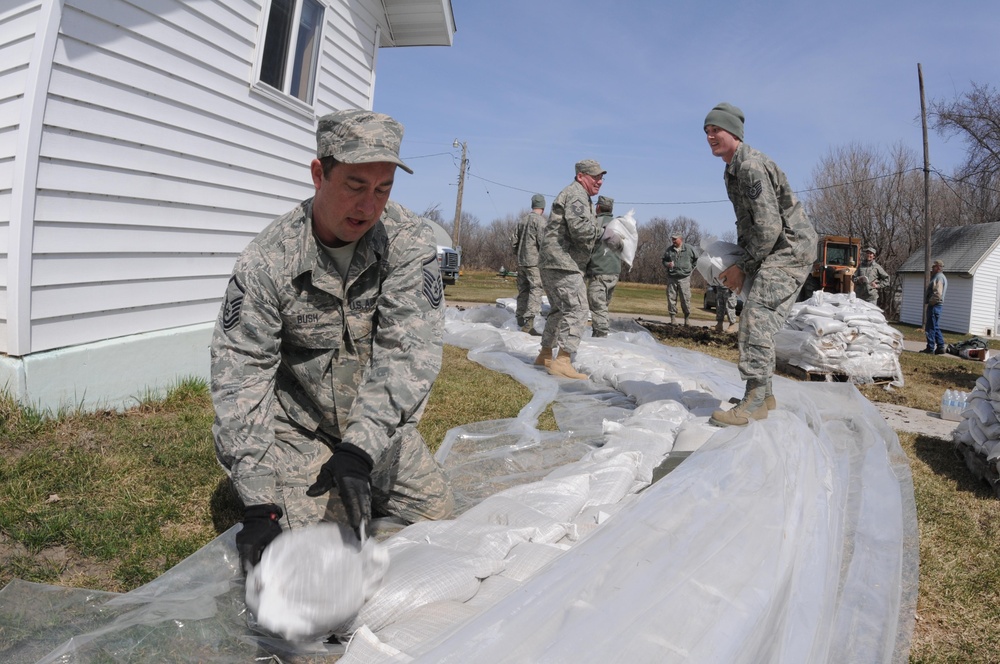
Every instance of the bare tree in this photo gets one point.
(876, 196)
(975, 118)
(654, 238)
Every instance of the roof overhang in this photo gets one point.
(417, 23)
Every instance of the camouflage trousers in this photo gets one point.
(568, 309)
(408, 483)
(600, 288)
(679, 291)
(529, 293)
(771, 297)
(725, 305)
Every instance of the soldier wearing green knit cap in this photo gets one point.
(779, 245)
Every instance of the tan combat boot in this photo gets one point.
(671, 319)
(561, 366)
(685, 320)
(718, 326)
(544, 358)
(751, 407)
(769, 399)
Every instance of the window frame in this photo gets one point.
(284, 95)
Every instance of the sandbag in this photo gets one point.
(312, 580)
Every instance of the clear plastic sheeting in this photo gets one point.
(837, 333)
(791, 540)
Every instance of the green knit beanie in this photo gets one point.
(728, 117)
(538, 201)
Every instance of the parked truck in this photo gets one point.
(449, 260)
(837, 259)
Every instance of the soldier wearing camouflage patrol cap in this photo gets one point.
(779, 245)
(869, 278)
(567, 244)
(526, 240)
(602, 274)
(326, 347)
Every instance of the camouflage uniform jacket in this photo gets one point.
(604, 260)
(527, 238)
(354, 360)
(684, 260)
(771, 225)
(571, 231)
(877, 279)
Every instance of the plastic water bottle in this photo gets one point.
(947, 401)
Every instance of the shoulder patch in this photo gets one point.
(576, 207)
(233, 305)
(754, 190)
(433, 286)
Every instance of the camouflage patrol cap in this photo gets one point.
(728, 117)
(589, 167)
(939, 263)
(359, 137)
(606, 203)
(538, 201)
(871, 250)
(677, 236)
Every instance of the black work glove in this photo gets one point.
(260, 527)
(350, 469)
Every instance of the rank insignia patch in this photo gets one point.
(754, 190)
(433, 286)
(233, 304)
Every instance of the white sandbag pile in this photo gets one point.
(977, 436)
(837, 333)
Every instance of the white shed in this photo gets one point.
(971, 257)
(143, 143)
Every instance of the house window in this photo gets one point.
(291, 47)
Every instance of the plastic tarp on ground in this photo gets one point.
(792, 540)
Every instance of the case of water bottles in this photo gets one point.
(953, 403)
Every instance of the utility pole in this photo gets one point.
(457, 233)
(927, 179)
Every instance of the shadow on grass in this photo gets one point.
(226, 506)
(941, 457)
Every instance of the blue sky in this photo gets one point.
(532, 86)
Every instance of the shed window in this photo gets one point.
(291, 47)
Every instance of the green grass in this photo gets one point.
(109, 501)
(632, 298)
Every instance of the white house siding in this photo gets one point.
(18, 25)
(911, 308)
(983, 319)
(957, 302)
(158, 163)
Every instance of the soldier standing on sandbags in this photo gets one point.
(326, 347)
(780, 245)
(567, 244)
(603, 271)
